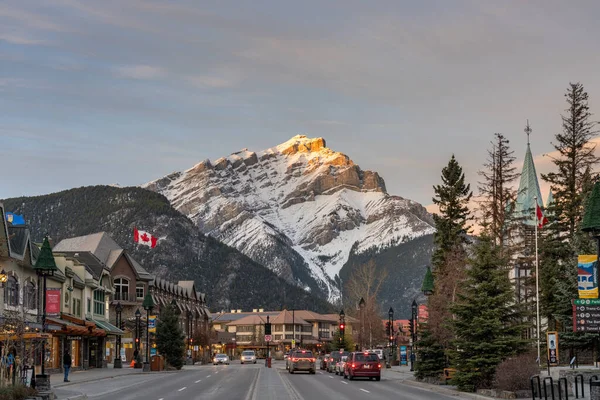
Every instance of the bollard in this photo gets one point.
(536, 378)
(577, 388)
(560, 391)
(549, 378)
(594, 389)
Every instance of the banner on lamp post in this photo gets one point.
(152, 324)
(587, 276)
(52, 301)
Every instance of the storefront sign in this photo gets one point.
(73, 337)
(403, 359)
(52, 301)
(152, 324)
(152, 352)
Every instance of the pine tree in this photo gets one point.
(346, 343)
(496, 191)
(487, 322)
(170, 338)
(449, 258)
(570, 184)
(431, 358)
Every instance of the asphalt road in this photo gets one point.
(250, 382)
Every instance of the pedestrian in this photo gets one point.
(67, 365)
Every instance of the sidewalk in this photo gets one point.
(94, 374)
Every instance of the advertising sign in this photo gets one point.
(552, 345)
(152, 324)
(52, 301)
(587, 276)
(403, 358)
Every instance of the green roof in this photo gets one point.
(148, 303)
(591, 218)
(427, 286)
(45, 263)
(529, 188)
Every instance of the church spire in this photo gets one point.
(529, 187)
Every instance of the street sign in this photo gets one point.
(293, 343)
(268, 338)
(586, 315)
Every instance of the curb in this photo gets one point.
(444, 390)
(61, 385)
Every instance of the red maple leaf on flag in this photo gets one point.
(145, 237)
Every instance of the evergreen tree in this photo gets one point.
(449, 258)
(431, 358)
(170, 338)
(487, 322)
(346, 343)
(496, 191)
(562, 241)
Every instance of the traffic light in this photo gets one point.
(137, 340)
(267, 328)
(342, 329)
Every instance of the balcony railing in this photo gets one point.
(124, 297)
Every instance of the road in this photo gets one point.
(250, 382)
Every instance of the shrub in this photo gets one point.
(17, 392)
(513, 374)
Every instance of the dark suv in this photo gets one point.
(363, 364)
(302, 360)
(334, 359)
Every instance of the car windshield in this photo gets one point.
(221, 355)
(248, 353)
(366, 357)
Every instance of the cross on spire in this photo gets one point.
(528, 131)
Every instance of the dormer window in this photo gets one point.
(121, 289)
(11, 291)
(139, 291)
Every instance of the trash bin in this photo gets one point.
(156, 363)
(268, 362)
(594, 390)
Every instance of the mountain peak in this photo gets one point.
(301, 144)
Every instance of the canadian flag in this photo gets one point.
(541, 219)
(145, 238)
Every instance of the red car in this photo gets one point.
(363, 364)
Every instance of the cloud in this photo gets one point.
(139, 72)
(21, 40)
(211, 82)
(31, 20)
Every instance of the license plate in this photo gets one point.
(367, 366)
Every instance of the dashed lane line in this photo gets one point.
(182, 389)
(209, 376)
(366, 391)
(198, 381)
(331, 377)
(344, 382)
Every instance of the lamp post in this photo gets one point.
(44, 267)
(148, 305)
(342, 327)
(118, 363)
(190, 333)
(413, 334)
(361, 336)
(391, 338)
(138, 316)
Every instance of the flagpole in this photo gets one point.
(537, 285)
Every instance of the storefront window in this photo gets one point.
(76, 353)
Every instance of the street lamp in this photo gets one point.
(391, 338)
(148, 305)
(118, 363)
(44, 267)
(361, 307)
(413, 334)
(342, 326)
(138, 316)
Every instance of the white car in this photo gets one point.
(379, 353)
(221, 359)
(341, 365)
(248, 356)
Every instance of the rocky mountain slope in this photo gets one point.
(300, 208)
(230, 279)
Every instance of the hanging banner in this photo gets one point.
(587, 276)
(52, 301)
(403, 357)
(152, 324)
(552, 345)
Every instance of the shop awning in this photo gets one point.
(109, 328)
(68, 327)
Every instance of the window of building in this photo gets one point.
(11, 291)
(277, 337)
(30, 296)
(121, 289)
(139, 291)
(89, 305)
(278, 328)
(245, 328)
(306, 328)
(99, 306)
(77, 307)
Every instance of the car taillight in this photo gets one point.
(294, 359)
(353, 366)
(313, 359)
(379, 366)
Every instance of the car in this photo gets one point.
(339, 366)
(221, 359)
(324, 360)
(302, 360)
(333, 360)
(363, 364)
(248, 356)
(379, 353)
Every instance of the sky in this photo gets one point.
(127, 91)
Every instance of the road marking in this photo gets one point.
(198, 381)
(217, 372)
(331, 377)
(209, 376)
(344, 382)
(366, 391)
(183, 388)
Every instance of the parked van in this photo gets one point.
(379, 353)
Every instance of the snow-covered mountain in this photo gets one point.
(298, 208)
